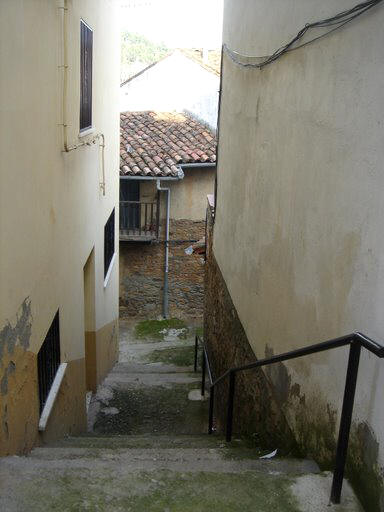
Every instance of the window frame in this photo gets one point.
(48, 360)
(109, 255)
(86, 78)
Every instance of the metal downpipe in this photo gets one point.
(166, 266)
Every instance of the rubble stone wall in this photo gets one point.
(142, 274)
(256, 411)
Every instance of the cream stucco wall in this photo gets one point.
(52, 210)
(298, 233)
(188, 196)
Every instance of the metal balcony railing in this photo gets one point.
(356, 341)
(139, 221)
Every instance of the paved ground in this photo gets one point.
(147, 449)
(148, 390)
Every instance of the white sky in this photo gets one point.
(177, 23)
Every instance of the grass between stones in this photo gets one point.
(199, 331)
(178, 356)
(155, 328)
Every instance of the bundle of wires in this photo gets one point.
(337, 21)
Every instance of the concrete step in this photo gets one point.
(158, 367)
(216, 460)
(123, 380)
(162, 480)
(148, 441)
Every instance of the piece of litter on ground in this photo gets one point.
(110, 411)
(173, 334)
(88, 398)
(104, 394)
(269, 455)
(195, 395)
(189, 250)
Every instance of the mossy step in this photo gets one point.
(126, 380)
(152, 367)
(107, 486)
(217, 460)
(146, 441)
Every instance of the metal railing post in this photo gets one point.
(211, 405)
(345, 421)
(158, 214)
(203, 374)
(195, 363)
(231, 395)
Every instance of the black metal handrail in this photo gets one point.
(356, 340)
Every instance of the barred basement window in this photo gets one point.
(109, 241)
(48, 360)
(86, 50)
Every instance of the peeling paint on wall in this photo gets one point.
(20, 333)
(4, 381)
(18, 384)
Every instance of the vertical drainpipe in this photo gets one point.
(165, 288)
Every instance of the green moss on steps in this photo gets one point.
(199, 331)
(179, 356)
(162, 491)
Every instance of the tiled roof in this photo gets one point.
(211, 62)
(155, 143)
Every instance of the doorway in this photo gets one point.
(90, 323)
(129, 204)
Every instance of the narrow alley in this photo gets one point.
(147, 449)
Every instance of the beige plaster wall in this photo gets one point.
(52, 210)
(188, 196)
(298, 233)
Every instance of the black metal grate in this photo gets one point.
(48, 360)
(86, 51)
(109, 241)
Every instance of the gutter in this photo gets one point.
(150, 178)
(208, 165)
(203, 164)
(180, 176)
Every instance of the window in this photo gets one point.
(109, 242)
(48, 360)
(86, 47)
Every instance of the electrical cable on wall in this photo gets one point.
(337, 21)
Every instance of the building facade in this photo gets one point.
(167, 168)
(181, 81)
(297, 240)
(59, 213)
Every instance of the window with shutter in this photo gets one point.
(86, 50)
(109, 241)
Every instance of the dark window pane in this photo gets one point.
(109, 241)
(48, 360)
(86, 50)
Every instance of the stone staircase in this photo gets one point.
(147, 450)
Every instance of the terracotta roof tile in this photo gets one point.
(155, 143)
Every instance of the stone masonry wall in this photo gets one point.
(256, 412)
(142, 274)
